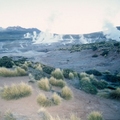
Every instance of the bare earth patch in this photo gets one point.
(82, 104)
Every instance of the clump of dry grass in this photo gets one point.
(11, 73)
(66, 93)
(16, 91)
(58, 74)
(60, 83)
(56, 99)
(43, 84)
(115, 94)
(95, 116)
(83, 74)
(47, 116)
(9, 116)
(43, 100)
(74, 117)
(38, 67)
(71, 75)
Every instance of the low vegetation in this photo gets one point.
(16, 91)
(12, 72)
(9, 116)
(58, 74)
(66, 93)
(71, 75)
(57, 82)
(44, 84)
(6, 62)
(43, 101)
(56, 99)
(95, 116)
(115, 94)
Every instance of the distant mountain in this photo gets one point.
(1, 29)
(21, 29)
(16, 33)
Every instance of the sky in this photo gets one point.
(60, 16)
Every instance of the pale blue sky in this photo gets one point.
(60, 16)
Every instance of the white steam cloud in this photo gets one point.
(111, 32)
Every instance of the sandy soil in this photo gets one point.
(82, 104)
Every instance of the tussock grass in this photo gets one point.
(16, 91)
(115, 94)
(66, 93)
(44, 84)
(43, 101)
(20, 71)
(9, 116)
(38, 67)
(11, 73)
(71, 75)
(58, 74)
(31, 78)
(95, 116)
(60, 83)
(56, 99)
(83, 74)
(47, 116)
(74, 117)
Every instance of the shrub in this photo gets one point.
(47, 69)
(43, 101)
(66, 73)
(44, 84)
(71, 75)
(115, 94)
(94, 72)
(58, 74)
(74, 117)
(56, 99)
(87, 86)
(66, 93)
(10, 73)
(60, 83)
(95, 116)
(6, 62)
(99, 84)
(16, 91)
(9, 116)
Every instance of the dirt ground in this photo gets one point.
(82, 103)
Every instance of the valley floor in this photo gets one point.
(82, 103)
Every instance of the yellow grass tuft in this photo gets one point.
(43, 101)
(95, 116)
(58, 74)
(44, 84)
(56, 99)
(9, 116)
(66, 93)
(60, 83)
(16, 91)
(71, 75)
(11, 73)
